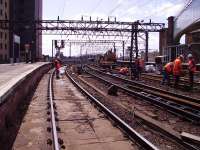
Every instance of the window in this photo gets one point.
(21, 10)
(22, 1)
(1, 46)
(1, 12)
(5, 36)
(1, 57)
(6, 4)
(1, 1)
(6, 17)
(6, 57)
(1, 35)
(5, 46)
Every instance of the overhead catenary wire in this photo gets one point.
(119, 4)
(140, 5)
(164, 9)
(97, 5)
(63, 9)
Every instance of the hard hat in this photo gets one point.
(189, 56)
(181, 56)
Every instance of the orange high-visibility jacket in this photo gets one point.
(177, 66)
(57, 64)
(141, 63)
(191, 66)
(168, 67)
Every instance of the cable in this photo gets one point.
(98, 4)
(117, 6)
(141, 5)
(162, 10)
(65, 1)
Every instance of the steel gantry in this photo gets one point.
(91, 44)
(89, 29)
(83, 25)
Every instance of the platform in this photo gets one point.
(11, 74)
(17, 81)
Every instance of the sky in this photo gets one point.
(123, 10)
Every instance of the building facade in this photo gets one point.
(4, 34)
(25, 11)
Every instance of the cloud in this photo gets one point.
(167, 9)
(119, 1)
(124, 10)
(159, 11)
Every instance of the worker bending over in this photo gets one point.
(166, 72)
(177, 69)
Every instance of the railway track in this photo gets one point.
(154, 80)
(117, 104)
(176, 95)
(179, 104)
(55, 139)
(184, 81)
(74, 123)
(59, 143)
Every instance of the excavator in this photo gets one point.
(108, 59)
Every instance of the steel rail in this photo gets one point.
(173, 108)
(190, 99)
(157, 77)
(130, 131)
(179, 140)
(53, 121)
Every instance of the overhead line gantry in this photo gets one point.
(89, 28)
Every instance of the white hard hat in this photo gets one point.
(189, 56)
(181, 56)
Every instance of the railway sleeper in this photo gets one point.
(175, 110)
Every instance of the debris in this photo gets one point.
(112, 90)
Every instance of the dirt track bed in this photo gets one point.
(123, 105)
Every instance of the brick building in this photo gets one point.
(26, 10)
(4, 34)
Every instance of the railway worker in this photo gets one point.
(123, 71)
(191, 69)
(166, 72)
(136, 69)
(177, 69)
(57, 66)
(140, 67)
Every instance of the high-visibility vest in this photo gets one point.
(168, 67)
(191, 65)
(57, 64)
(177, 66)
(141, 63)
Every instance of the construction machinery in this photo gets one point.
(108, 60)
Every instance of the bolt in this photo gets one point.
(60, 141)
(49, 142)
(49, 129)
(56, 119)
(63, 147)
(54, 106)
(58, 129)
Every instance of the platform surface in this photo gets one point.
(10, 74)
